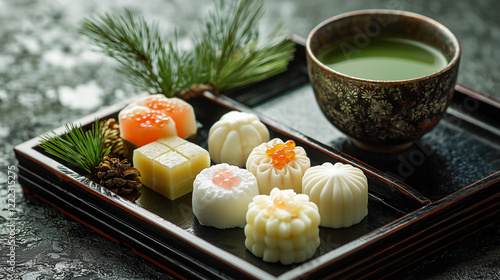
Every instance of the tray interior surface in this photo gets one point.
(383, 209)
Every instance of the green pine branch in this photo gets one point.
(237, 54)
(78, 147)
(144, 60)
(228, 53)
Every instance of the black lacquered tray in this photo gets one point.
(449, 189)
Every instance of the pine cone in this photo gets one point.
(119, 177)
(112, 138)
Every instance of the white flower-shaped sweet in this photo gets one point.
(282, 227)
(221, 195)
(280, 165)
(340, 191)
(233, 137)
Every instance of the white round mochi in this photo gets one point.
(221, 207)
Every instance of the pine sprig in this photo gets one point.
(227, 53)
(138, 48)
(78, 147)
(236, 56)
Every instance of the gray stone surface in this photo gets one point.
(49, 75)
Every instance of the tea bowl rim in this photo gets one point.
(455, 59)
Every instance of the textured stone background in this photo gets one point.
(49, 75)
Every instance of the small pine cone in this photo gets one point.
(112, 138)
(119, 177)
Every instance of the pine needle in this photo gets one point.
(143, 58)
(78, 147)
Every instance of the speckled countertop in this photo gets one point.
(49, 75)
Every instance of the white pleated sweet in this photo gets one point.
(221, 195)
(340, 191)
(233, 137)
(269, 176)
(282, 227)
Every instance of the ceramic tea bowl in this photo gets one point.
(379, 115)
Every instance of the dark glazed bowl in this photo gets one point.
(382, 116)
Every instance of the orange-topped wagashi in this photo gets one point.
(141, 125)
(179, 110)
(278, 164)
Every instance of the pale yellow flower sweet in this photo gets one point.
(282, 227)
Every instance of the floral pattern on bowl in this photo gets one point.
(383, 113)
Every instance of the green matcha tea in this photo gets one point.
(384, 59)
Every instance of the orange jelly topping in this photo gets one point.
(141, 125)
(226, 179)
(279, 203)
(281, 154)
(148, 118)
(179, 110)
(164, 104)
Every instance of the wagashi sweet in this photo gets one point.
(276, 164)
(340, 191)
(154, 117)
(179, 110)
(170, 165)
(141, 125)
(221, 195)
(233, 137)
(282, 227)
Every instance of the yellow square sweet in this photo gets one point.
(143, 160)
(170, 165)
